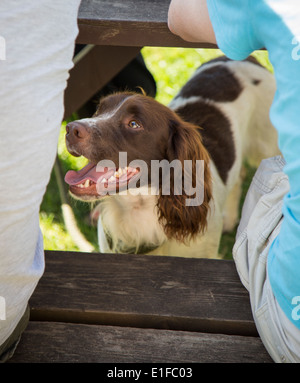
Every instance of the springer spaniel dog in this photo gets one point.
(219, 119)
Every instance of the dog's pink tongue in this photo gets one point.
(88, 172)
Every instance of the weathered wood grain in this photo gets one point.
(128, 23)
(143, 291)
(77, 343)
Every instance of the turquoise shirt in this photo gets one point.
(242, 26)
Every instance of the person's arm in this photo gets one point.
(190, 20)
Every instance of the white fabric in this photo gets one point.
(260, 224)
(39, 42)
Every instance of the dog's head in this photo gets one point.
(145, 132)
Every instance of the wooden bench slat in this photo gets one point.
(77, 343)
(103, 22)
(143, 291)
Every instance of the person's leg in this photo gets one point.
(8, 348)
(260, 224)
(39, 41)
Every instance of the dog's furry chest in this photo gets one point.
(129, 223)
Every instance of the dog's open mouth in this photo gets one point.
(95, 182)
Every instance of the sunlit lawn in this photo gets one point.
(171, 68)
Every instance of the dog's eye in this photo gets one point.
(134, 124)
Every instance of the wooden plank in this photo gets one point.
(77, 343)
(143, 291)
(94, 70)
(128, 23)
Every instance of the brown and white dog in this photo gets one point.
(221, 116)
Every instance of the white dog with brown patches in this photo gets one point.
(221, 116)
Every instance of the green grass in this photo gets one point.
(171, 68)
(51, 220)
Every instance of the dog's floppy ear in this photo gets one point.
(183, 215)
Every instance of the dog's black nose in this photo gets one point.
(76, 131)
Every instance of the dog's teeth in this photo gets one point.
(87, 183)
(119, 172)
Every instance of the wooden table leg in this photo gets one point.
(93, 68)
